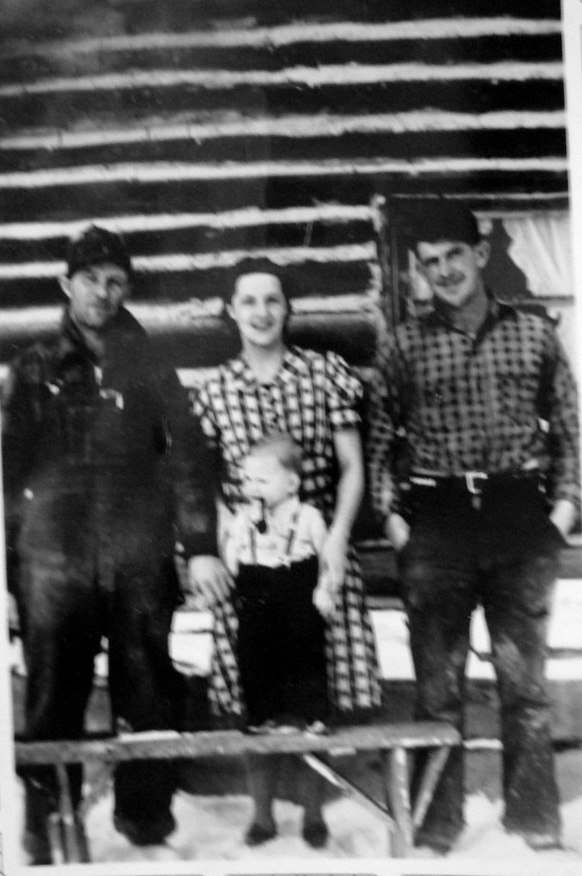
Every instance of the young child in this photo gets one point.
(272, 548)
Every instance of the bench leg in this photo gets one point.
(72, 829)
(432, 773)
(349, 789)
(398, 799)
(55, 837)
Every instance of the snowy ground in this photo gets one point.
(210, 828)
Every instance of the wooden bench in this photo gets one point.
(402, 816)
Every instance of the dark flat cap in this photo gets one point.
(94, 245)
(444, 220)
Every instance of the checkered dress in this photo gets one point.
(311, 397)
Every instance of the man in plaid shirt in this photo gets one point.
(474, 469)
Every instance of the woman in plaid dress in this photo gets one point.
(271, 387)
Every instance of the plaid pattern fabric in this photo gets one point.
(311, 397)
(452, 403)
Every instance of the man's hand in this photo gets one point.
(397, 531)
(563, 516)
(209, 578)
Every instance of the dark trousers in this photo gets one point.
(504, 556)
(64, 615)
(281, 643)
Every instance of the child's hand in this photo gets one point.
(324, 599)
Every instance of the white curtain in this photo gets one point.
(541, 248)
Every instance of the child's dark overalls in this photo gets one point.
(281, 639)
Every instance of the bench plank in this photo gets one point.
(163, 745)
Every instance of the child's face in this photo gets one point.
(266, 480)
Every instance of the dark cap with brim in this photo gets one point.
(94, 245)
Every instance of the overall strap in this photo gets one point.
(291, 533)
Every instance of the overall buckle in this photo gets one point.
(472, 479)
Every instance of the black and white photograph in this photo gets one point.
(289, 395)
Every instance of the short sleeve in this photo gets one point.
(343, 393)
(203, 410)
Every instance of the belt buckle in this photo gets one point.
(471, 478)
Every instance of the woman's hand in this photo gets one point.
(333, 559)
(209, 578)
(324, 598)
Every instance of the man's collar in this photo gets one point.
(497, 311)
(122, 321)
(72, 339)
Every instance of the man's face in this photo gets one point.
(96, 293)
(453, 270)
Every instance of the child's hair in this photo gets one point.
(283, 447)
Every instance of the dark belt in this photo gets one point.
(473, 483)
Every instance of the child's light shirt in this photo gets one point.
(294, 531)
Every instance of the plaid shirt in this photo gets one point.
(443, 401)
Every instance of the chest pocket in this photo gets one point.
(515, 385)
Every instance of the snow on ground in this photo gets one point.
(211, 828)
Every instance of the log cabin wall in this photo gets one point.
(212, 130)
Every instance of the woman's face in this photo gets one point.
(259, 309)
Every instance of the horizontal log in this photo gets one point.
(33, 21)
(481, 41)
(224, 259)
(296, 126)
(109, 202)
(331, 214)
(347, 185)
(514, 144)
(301, 281)
(175, 16)
(279, 238)
(343, 74)
(206, 342)
(283, 36)
(162, 171)
(420, 132)
(481, 93)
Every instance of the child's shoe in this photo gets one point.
(261, 729)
